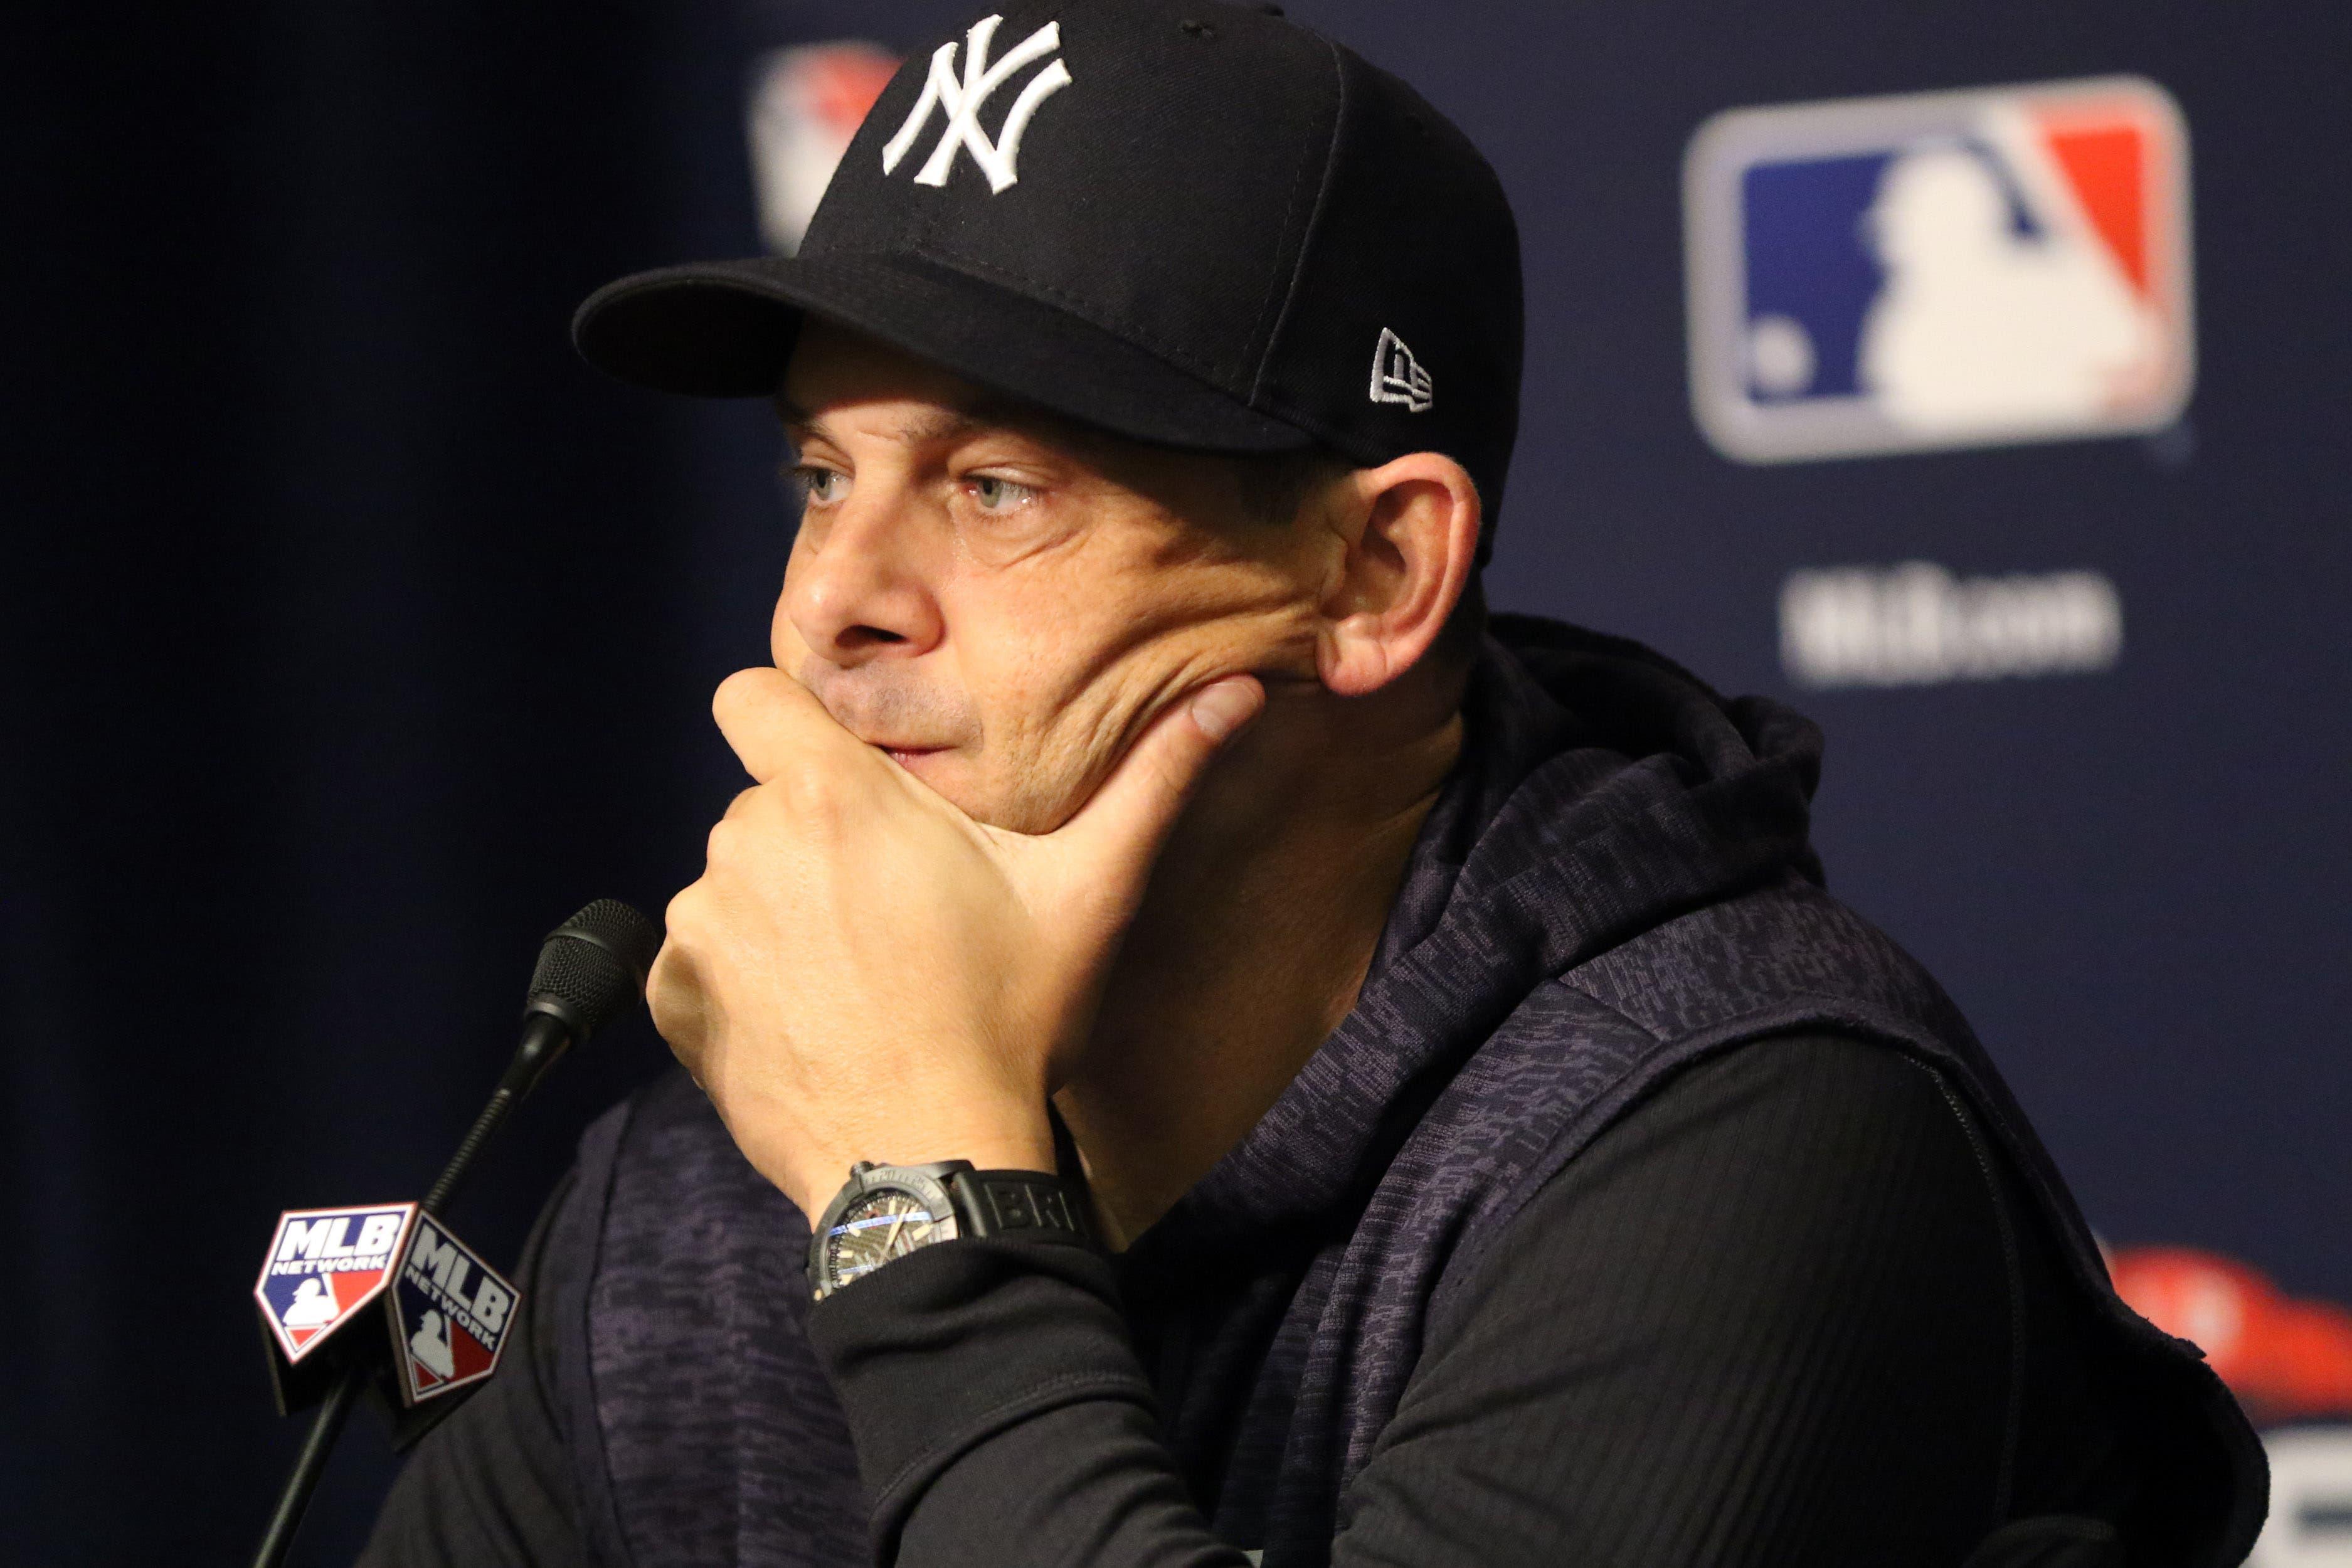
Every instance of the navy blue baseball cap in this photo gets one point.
(1181, 221)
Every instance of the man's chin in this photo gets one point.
(1012, 810)
(986, 801)
(935, 768)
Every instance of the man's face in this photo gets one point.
(1003, 601)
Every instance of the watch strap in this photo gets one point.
(1018, 1205)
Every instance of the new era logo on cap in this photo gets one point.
(962, 99)
(1397, 377)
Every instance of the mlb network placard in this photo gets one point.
(450, 1315)
(324, 1267)
(1939, 270)
(394, 1290)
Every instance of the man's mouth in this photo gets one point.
(905, 756)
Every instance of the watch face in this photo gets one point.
(877, 1226)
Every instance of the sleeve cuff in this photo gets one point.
(953, 1346)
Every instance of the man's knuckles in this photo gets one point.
(674, 995)
(682, 920)
(799, 806)
(811, 790)
(719, 844)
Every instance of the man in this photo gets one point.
(1315, 1081)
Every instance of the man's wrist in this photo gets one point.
(887, 1212)
(990, 1141)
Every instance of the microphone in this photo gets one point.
(590, 969)
(327, 1267)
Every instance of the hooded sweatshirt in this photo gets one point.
(1611, 922)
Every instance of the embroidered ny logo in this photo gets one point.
(961, 101)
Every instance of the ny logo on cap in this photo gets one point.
(962, 99)
(1397, 377)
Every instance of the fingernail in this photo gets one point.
(1226, 707)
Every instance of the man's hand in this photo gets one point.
(863, 972)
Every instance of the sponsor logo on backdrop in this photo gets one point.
(806, 104)
(1919, 625)
(325, 1264)
(451, 1313)
(1939, 270)
(2289, 1361)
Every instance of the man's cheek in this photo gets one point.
(999, 785)
(1058, 775)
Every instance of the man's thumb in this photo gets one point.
(1121, 828)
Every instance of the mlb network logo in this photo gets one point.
(448, 1311)
(324, 1266)
(1939, 270)
(451, 1312)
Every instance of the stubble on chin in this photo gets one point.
(884, 706)
(1034, 794)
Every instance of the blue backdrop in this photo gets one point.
(357, 634)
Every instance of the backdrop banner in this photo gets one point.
(1974, 376)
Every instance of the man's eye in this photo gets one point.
(819, 487)
(998, 495)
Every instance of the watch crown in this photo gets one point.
(859, 1167)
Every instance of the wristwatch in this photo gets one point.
(889, 1210)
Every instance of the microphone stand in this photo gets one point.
(544, 1039)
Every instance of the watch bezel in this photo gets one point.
(928, 1186)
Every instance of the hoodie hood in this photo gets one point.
(1614, 817)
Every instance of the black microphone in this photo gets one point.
(590, 969)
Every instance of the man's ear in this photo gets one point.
(1409, 537)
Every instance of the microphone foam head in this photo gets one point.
(593, 967)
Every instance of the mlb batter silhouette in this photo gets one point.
(430, 1345)
(313, 1305)
(1983, 326)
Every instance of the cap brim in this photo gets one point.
(725, 329)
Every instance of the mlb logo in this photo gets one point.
(450, 1315)
(1939, 270)
(324, 1266)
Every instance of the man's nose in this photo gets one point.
(858, 589)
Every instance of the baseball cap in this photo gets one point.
(1189, 223)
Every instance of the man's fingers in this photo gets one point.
(771, 719)
(1118, 832)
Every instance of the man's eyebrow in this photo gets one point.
(979, 413)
